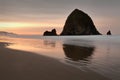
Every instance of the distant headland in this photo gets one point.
(4, 33)
(77, 23)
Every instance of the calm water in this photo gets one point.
(98, 53)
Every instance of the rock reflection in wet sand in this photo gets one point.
(77, 53)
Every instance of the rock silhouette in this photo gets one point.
(109, 33)
(79, 23)
(50, 33)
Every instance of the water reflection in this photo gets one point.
(77, 53)
(49, 43)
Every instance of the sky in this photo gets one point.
(36, 16)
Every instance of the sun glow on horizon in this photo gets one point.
(17, 24)
(26, 24)
(27, 27)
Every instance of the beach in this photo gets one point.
(23, 65)
(59, 40)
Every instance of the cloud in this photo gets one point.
(57, 7)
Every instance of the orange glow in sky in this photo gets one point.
(37, 16)
(24, 24)
(15, 24)
(26, 27)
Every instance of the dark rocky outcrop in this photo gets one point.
(50, 33)
(109, 33)
(79, 23)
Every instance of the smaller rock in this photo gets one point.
(50, 33)
(109, 33)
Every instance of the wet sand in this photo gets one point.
(22, 65)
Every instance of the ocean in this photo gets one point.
(100, 54)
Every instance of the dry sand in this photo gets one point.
(22, 65)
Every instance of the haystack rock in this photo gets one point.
(50, 33)
(79, 23)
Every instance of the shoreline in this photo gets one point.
(23, 65)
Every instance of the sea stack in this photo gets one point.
(50, 33)
(79, 23)
(109, 33)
